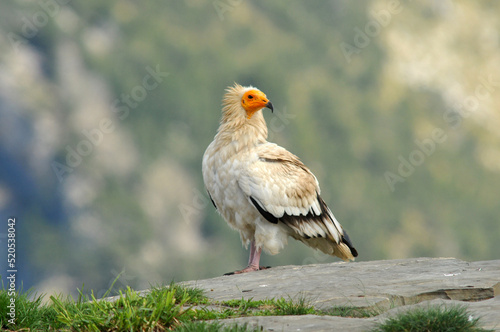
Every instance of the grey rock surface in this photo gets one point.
(488, 311)
(307, 323)
(386, 287)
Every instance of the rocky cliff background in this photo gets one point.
(107, 107)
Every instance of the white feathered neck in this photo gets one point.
(235, 128)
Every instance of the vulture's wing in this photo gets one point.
(284, 190)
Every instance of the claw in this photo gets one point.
(248, 269)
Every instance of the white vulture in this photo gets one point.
(262, 190)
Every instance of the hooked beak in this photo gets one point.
(270, 106)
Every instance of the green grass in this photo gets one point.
(273, 307)
(29, 313)
(158, 310)
(354, 312)
(201, 326)
(178, 308)
(432, 319)
(163, 308)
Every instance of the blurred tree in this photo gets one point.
(127, 96)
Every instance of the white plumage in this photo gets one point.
(261, 189)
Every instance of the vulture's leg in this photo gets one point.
(253, 261)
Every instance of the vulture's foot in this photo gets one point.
(248, 269)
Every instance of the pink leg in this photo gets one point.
(253, 261)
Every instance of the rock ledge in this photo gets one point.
(387, 286)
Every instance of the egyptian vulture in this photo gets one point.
(262, 190)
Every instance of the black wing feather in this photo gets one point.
(215, 206)
(269, 216)
(293, 220)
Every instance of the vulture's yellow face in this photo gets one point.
(253, 101)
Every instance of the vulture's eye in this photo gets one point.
(250, 97)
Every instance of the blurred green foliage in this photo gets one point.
(349, 118)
